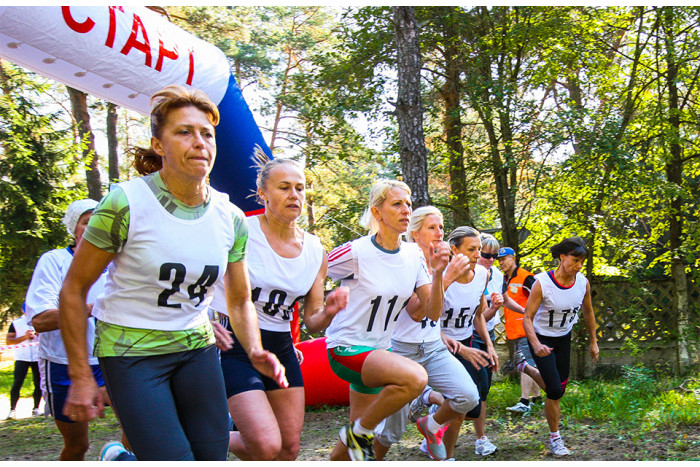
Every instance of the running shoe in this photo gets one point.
(359, 446)
(519, 408)
(432, 409)
(433, 441)
(111, 451)
(36, 412)
(424, 446)
(12, 415)
(557, 447)
(484, 447)
(415, 410)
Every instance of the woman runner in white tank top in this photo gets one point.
(421, 341)
(286, 266)
(382, 273)
(462, 318)
(550, 314)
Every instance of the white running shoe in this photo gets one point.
(415, 410)
(111, 450)
(519, 408)
(484, 447)
(12, 415)
(557, 447)
(36, 412)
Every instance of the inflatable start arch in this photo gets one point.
(124, 55)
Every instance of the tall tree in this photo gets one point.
(112, 143)
(409, 105)
(81, 116)
(677, 31)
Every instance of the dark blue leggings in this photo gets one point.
(171, 407)
(485, 373)
(554, 368)
(21, 369)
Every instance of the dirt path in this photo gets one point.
(518, 439)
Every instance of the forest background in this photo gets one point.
(532, 123)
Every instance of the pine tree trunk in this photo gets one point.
(409, 106)
(451, 96)
(78, 100)
(112, 143)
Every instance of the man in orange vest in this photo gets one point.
(517, 283)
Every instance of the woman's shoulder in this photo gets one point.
(313, 241)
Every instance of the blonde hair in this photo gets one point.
(418, 219)
(489, 241)
(264, 164)
(173, 97)
(377, 196)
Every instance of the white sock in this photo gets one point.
(360, 430)
(554, 435)
(432, 425)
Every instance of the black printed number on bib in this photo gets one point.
(195, 291)
(564, 314)
(459, 320)
(275, 303)
(376, 303)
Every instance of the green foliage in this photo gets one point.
(639, 398)
(36, 163)
(7, 376)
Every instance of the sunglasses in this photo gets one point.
(489, 255)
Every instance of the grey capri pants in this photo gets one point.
(445, 374)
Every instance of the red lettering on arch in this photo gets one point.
(163, 52)
(82, 28)
(190, 75)
(132, 42)
(111, 32)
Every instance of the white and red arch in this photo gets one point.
(124, 55)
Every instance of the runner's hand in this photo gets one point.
(541, 350)
(337, 301)
(84, 401)
(594, 351)
(476, 357)
(267, 363)
(224, 341)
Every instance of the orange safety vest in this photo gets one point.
(514, 320)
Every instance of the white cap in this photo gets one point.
(75, 210)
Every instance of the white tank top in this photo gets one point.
(277, 283)
(560, 305)
(415, 332)
(164, 275)
(29, 353)
(461, 303)
(495, 285)
(42, 295)
(381, 283)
